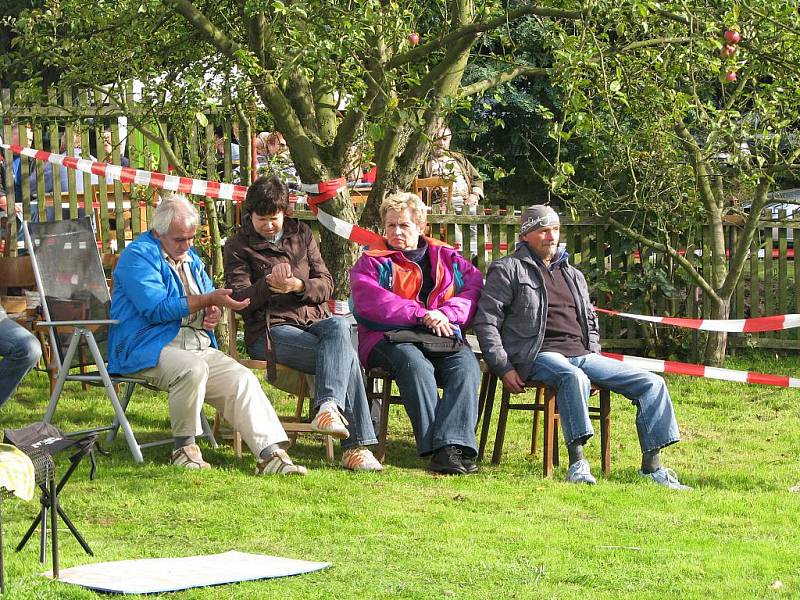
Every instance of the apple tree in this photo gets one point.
(681, 111)
(331, 75)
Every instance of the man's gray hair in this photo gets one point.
(174, 208)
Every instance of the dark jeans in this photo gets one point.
(325, 351)
(449, 421)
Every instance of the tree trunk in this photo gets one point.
(339, 253)
(717, 341)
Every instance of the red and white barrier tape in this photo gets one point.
(678, 368)
(188, 185)
(754, 325)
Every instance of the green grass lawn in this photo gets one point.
(504, 533)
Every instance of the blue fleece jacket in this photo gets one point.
(149, 302)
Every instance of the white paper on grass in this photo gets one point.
(154, 575)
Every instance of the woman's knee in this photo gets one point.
(337, 327)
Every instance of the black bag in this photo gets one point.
(430, 343)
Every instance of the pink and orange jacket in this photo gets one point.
(385, 288)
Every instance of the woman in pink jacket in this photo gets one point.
(414, 282)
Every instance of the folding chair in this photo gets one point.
(41, 465)
(41, 441)
(75, 305)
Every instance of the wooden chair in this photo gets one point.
(386, 398)
(359, 196)
(289, 380)
(544, 403)
(435, 191)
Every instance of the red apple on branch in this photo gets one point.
(727, 50)
(413, 38)
(732, 37)
(731, 76)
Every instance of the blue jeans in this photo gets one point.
(449, 421)
(325, 350)
(20, 351)
(572, 378)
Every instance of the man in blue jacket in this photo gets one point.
(535, 321)
(167, 309)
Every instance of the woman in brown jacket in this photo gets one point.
(275, 262)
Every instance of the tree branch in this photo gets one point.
(504, 77)
(474, 29)
(681, 260)
(215, 35)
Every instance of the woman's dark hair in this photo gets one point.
(267, 195)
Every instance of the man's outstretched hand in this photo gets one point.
(218, 298)
(222, 298)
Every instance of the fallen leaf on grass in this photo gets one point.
(795, 489)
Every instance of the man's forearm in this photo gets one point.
(198, 302)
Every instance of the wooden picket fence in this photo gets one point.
(622, 275)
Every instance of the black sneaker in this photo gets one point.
(447, 460)
(469, 465)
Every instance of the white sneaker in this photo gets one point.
(189, 457)
(360, 459)
(579, 472)
(279, 464)
(665, 477)
(329, 421)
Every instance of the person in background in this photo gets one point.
(77, 152)
(536, 322)
(108, 150)
(274, 263)
(467, 182)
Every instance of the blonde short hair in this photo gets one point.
(399, 201)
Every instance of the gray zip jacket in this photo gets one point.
(512, 311)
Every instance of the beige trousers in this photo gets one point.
(192, 376)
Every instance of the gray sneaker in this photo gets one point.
(579, 472)
(665, 477)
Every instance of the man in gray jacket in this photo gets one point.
(535, 322)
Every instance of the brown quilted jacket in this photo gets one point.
(249, 258)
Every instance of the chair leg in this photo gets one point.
(383, 427)
(112, 433)
(208, 431)
(298, 415)
(329, 452)
(549, 429)
(482, 396)
(536, 416)
(502, 419)
(486, 419)
(556, 423)
(605, 430)
(54, 523)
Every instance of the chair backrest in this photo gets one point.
(436, 192)
(70, 279)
